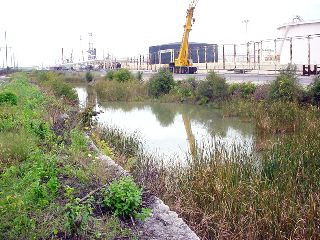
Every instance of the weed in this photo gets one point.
(8, 97)
(123, 197)
(89, 76)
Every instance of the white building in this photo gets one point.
(301, 43)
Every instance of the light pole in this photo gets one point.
(246, 22)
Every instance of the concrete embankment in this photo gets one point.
(163, 224)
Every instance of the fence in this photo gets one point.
(269, 54)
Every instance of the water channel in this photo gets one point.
(167, 129)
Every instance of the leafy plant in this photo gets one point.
(77, 215)
(315, 90)
(122, 75)
(161, 83)
(123, 197)
(8, 97)
(213, 88)
(285, 87)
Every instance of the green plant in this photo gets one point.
(161, 83)
(122, 75)
(315, 90)
(213, 88)
(77, 215)
(123, 197)
(139, 76)
(89, 76)
(8, 97)
(285, 87)
(110, 75)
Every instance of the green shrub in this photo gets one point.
(89, 76)
(285, 87)
(122, 75)
(110, 75)
(213, 88)
(62, 89)
(8, 97)
(77, 215)
(161, 83)
(315, 91)
(247, 89)
(186, 88)
(123, 197)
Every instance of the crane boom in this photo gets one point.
(182, 64)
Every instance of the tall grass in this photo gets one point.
(121, 91)
(221, 194)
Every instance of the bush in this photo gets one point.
(244, 90)
(8, 97)
(315, 91)
(62, 89)
(89, 76)
(285, 87)
(161, 83)
(213, 88)
(122, 75)
(110, 75)
(261, 92)
(186, 88)
(123, 197)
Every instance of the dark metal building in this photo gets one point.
(198, 52)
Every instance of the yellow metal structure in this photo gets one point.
(183, 58)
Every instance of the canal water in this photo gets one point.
(167, 129)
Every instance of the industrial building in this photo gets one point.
(198, 52)
(301, 44)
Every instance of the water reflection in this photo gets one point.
(170, 129)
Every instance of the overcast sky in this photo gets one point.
(38, 29)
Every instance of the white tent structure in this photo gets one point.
(301, 43)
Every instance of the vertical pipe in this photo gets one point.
(205, 56)
(5, 38)
(309, 51)
(275, 50)
(261, 55)
(258, 55)
(235, 55)
(223, 57)
(290, 50)
(254, 55)
(198, 55)
(248, 53)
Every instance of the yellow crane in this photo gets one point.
(183, 64)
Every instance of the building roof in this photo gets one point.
(298, 23)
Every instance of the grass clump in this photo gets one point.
(89, 76)
(119, 91)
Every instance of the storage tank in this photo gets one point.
(301, 44)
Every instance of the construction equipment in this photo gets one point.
(183, 64)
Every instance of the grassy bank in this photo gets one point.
(221, 194)
(47, 170)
